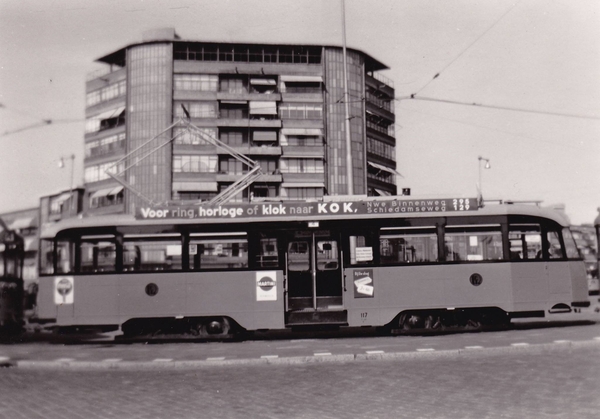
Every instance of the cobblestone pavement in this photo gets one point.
(561, 382)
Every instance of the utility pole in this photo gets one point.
(349, 174)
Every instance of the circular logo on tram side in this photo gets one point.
(151, 289)
(476, 279)
(64, 286)
(266, 283)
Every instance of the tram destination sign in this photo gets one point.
(280, 210)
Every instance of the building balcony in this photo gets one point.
(265, 177)
(310, 97)
(380, 83)
(303, 151)
(104, 76)
(302, 123)
(291, 178)
(274, 97)
(239, 123)
(380, 112)
(254, 151)
(382, 133)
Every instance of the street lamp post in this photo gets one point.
(487, 166)
(61, 164)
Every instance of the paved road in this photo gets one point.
(285, 348)
(560, 381)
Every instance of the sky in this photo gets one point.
(516, 82)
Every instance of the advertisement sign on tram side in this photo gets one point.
(270, 210)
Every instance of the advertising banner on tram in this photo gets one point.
(292, 209)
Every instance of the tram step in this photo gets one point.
(320, 317)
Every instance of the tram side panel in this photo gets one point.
(396, 289)
(254, 299)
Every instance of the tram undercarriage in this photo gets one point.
(442, 320)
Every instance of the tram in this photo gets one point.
(11, 281)
(390, 263)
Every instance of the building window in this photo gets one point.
(106, 120)
(263, 85)
(234, 138)
(380, 175)
(379, 99)
(301, 166)
(301, 111)
(264, 191)
(241, 196)
(267, 166)
(232, 166)
(106, 198)
(233, 85)
(196, 109)
(106, 93)
(105, 145)
(195, 164)
(380, 124)
(303, 87)
(233, 110)
(302, 140)
(196, 82)
(191, 51)
(260, 137)
(193, 195)
(196, 136)
(99, 172)
(302, 193)
(381, 149)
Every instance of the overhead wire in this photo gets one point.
(466, 49)
(42, 121)
(504, 108)
(569, 146)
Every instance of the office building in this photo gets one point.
(282, 106)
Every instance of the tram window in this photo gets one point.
(218, 253)
(525, 241)
(554, 247)
(46, 257)
(98, 254)
(298, 256)
(152, 253)
(327, 255)
(570, 245)
(268, 255)
(65, 255)
(360, 253)
(473, 243)
(408, 245)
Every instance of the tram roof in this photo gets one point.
(52, 229)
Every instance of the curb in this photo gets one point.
(298, 360)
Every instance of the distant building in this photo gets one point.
(280, 105)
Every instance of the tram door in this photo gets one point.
(314, 271)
